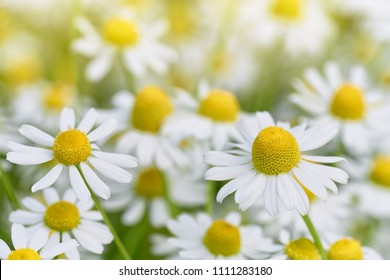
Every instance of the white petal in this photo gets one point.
(97, 230)
(33, 205)
(232, 186)
(96, 184)
(146, 148)
(59, 249)
(317, 136)
(233, 218)
(121, 160)
(88, 121)
(286, 191)
(78, 185)
(51, 195)
(227, 172)
(67, 119)
(134, 213)
(99, 67)
(325, 159)
(4, 250)
(333, 173)
(271, 196)
(316, 173)
(310, 183)
(159, 213)
(253, 191)
(49, 179)
(18, 236)
(103, 130)
(224, 159)
(88, 242)
(39, 239)
(92, 215)
(25, 217)
(248, 129)
(29, 159)
(19, 148)
(264, 120)
(70, 196)
(36, 135)
(111, 171)
(333, 74)
(315, 79)
(72, 254)
(301, 201)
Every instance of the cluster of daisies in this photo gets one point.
(200, 129)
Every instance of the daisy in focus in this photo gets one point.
(74, 150)
(269, 163)
(201, 238)
(138, 46)
(65, 218)
(359, 110)
(141, 121)
(210, 117)
(38, 246)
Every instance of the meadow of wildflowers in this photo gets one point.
(194, 129)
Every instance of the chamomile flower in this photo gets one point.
(73, 149)
(360, 111)
(35, 247)
(209, 117)
(201, 237)
(66, 218)
(142, 119)
(348, 248)
(296, 248)
(269, 163)
(137, 45)
(302, 26)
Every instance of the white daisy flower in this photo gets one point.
(371, 185)
(161, 247)
(35, 247)
(209, 117)
(66, 218)
(295, 248)
(268, 163)
(302, 26)
(142, 119)
(359, 110)
(73, 149)
(137, 45)
(348, 248)
(202, 238)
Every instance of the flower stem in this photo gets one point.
(314, 234)
(99, 207)
(9, 190)
(210, 197)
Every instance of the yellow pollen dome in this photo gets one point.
(223, 239)
(380, 172)
(62, 216)
(72, 147)
(57, 97)
(182, 17)
(24, 254)
(348, 103)
(288, 9)
(152, 105)
(220, 105)
(346, 249)
(121, 32)
(302, 249)
(275, 151)
(149, 183)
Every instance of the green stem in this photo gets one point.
(9, 190)
(106, 219)
(314, 234)
(210, 197)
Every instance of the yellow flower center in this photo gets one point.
(380, 172)
(120, 32)
(348, 103)
(57, 97)
(72, 147)
(223, 239)
(62, 216)
(288, 9)
(152, 105)
(302, 249)
(24, 254)
(275, 151)
(220, 105)
(149, 183)
(346, 249)
(182, 18)
(23, 70)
